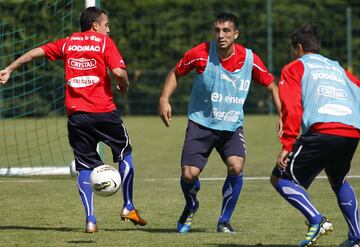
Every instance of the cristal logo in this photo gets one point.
(83, 81)
(332, 92)
(82, 63)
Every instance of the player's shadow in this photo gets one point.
(39, 228)
(253, 245)
(72, 229)
(153, 230)
(343, 244)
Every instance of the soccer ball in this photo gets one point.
(73, 171)
(105, 180)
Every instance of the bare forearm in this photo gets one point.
(274, 92)
(27, 57)
(170, 85)
(122, 80)
(120, 75)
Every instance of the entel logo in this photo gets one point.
(82, 63)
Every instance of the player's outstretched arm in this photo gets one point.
(122, 81)
(27, 57)
(170, 85)
(274, 92)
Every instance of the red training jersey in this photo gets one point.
(86, 57)
(197, 58)
(292, 109)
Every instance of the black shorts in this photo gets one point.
(200, 141)
(314, 152)
(86, 130)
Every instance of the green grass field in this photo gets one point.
(47, 211)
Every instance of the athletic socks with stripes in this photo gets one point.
(190, 190)
(299, 199)
(231, 192)
(126, 169)
(86, 194)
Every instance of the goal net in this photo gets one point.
(32, 115)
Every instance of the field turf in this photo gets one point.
(46, 211)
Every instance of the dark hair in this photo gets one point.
(89, 16)
(308, 36)
(223, 17)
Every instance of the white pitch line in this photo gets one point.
(22, 181)
(223, 178)
(16, 180)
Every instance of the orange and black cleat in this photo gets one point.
(132, 216)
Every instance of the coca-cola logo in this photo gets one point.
(230, 116)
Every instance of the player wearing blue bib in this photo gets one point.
(318, 95)
(224, 71)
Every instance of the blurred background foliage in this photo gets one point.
(153, 36)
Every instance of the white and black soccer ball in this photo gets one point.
(105, 180)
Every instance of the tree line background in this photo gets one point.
(153, 35)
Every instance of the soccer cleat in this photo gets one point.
(225, 227)
(315, 231)
(185, 220)
(91, 227)
(355, 243)
(352, 240)
(132, 216)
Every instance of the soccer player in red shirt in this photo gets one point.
(318, 95)
(224, 70)
(92, 115)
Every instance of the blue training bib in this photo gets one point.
(328, 95)
(218, 96)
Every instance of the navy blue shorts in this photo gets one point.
(200, 141)
(314, 152)
(86, 130)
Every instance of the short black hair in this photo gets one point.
(89, 16)
(224, 16)
(308, 36)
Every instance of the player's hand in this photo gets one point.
(4, 76)
(282, 159)
(165, 112)
(279, 129)
(123, 87)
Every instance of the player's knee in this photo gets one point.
(190, 174)
(235, 165)
(235, 170)
(189, 178)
